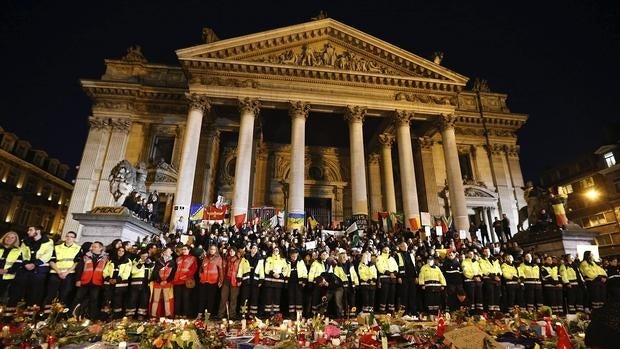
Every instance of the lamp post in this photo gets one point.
(594, 195)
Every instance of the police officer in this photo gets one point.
(387, 268)
(473, 281)
(529, 273)
(453, 273)
(252, 275)
(275, 268)
(510, 278)
(491, 272)
(10, 263)
(37, 252)
(368, 282)
(570, 277)
(551, 283)
(407, 283)
(345, 295)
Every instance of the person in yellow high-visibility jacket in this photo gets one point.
(472, 281)
(387, 268)
(529, 273)
(296, 277)
(491, 271)
(116, 275)
(61, 282)
(344, 296)
(595, 278)
(573, 284)
(510, 277)
(433, 283)
(316, 276)
(368, 282)
(10, 263)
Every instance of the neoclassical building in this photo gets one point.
(317, 118)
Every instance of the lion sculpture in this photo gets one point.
(122, 181)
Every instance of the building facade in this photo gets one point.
(592, 186)
(33, 187)
(317, 118)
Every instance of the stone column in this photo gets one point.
(386, 141)
(82, 197)
(198, 107)
(248, 108)
(411, 208)
(299, 113)
(516, 178)
(374, 177)
(117, 144)
(453, 170)
(355, 116)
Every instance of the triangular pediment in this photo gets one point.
(326, 45)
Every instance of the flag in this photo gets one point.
(560, 214)
(295, 220)
(197, 212)
(313, 222)
(273, 221)
(384, 217)
(280, 215)
(414, 223)
(563, 338)
(239, 219)
(351, 228)
(441, 324)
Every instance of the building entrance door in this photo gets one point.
(320, 209)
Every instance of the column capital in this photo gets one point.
(198, 102)
(512, 150)
(355, 113)
(121, 125)
(373, 159)
(445, 121)
(249, 105)
(386, 139)
(298, 109)
(98, 123)
(403, 117)
(495, 149)
(426, 143)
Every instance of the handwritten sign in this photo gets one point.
(470, 337)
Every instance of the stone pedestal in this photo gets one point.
(556, 242)
(108, 223)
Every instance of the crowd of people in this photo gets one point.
(231, 272)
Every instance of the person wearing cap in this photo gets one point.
(368, 281)
(491, 271)
(387, 268)
(407, 275)
(296, 276)
(344, 296)
(433, 283)
(252, 275)
(529, 272)
(275, 268)
(473, 281)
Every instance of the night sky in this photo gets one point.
(557, 61)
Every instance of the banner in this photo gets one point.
(361, 220)
(384, 218)
(426, 218)
(313, 222)
(295, 220)
(353, 227)
(214, 213)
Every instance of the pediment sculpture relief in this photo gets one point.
(327, 56)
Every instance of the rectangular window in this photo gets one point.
(162, 149)
(604, 239)
(610, 160)
(466, 170)
(569, 189)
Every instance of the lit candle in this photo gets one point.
(6, 331)
(122, 345)
(162, 320)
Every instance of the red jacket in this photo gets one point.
(91, 272)
(186, 269)
(211, 270)
(231, 269)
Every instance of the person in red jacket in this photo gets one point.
(163, 274)
(211, 278)
(89, 276)
(184, 283)
(230, 285)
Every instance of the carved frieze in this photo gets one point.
(327, 56)
(355, 114)
(469, 131)
(512, 150)
(113, 105)
(495, 149)
(230, 82)
(426, 98)
(98, 123)
(120, 125)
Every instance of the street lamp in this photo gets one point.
(592, 194)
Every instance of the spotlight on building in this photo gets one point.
(592, 194)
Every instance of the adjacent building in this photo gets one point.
(33, 187)
(317, 119)
(592, 183)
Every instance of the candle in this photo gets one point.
(6, 331)
(122, 345)
(162, 320)
(243, 324)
